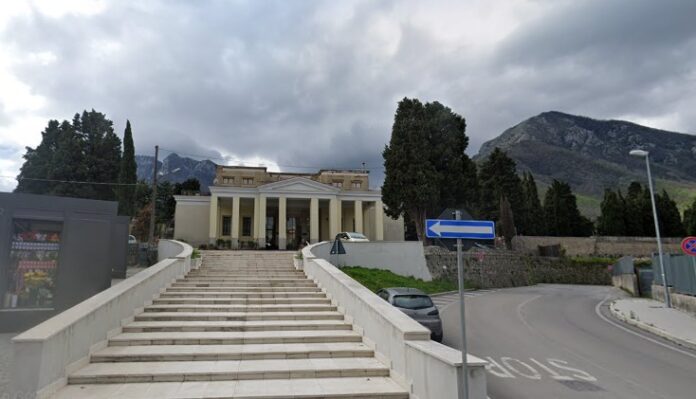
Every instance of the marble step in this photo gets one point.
(246, 289)
(272, 325)
(241, 308)
(168, 353)
(234, 337)
(241, 295)
(240, 301)
(205, 370)
(243, 284)
(237, 316)
(324, 388)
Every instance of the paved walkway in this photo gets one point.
(5, 359)
(653, 316)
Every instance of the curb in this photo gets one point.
(653, 330)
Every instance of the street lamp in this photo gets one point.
(646, 155)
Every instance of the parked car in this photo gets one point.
(416, 304)
(132, 239)
(352, 237)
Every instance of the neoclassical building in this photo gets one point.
(249, 207)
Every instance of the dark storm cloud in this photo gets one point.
(286, 82)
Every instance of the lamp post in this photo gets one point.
(646, 155)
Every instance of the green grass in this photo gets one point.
(376, 279)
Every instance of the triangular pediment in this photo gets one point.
(298, 185)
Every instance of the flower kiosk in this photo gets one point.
(54, 253)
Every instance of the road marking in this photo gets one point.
(628, 330)
(510, 367)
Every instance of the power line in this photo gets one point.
(69, 181)
(228, 159)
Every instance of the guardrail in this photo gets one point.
(427, 368)
(45, 354)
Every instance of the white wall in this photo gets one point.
(428, 370)
(405, 258)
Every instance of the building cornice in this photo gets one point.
(192, 199)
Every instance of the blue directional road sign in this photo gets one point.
(465, 229)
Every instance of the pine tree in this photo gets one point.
(38, 162)
(498, 177)
(561, 212)
(612, 221)
(127, 174)
(426, 168)
(533, 212)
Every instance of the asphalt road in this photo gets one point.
(559, 341)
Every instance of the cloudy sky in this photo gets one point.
(309, 84)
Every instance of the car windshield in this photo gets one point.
(413, 301)
(357, 235)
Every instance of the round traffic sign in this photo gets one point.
(688, 246)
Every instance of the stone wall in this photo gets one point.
(596, 246)
(627, 282)
(510, 269)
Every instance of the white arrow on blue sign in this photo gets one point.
(465, 229)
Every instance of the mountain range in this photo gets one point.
(592, 155)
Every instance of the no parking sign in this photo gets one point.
(688, 246)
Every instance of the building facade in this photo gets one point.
(249, 207)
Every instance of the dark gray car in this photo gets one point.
(416, 304)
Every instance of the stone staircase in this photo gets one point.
(243, 325)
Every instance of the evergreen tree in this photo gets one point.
(127, 174)
(533, 212)
(561, 212)
(498, 177)
(507, 222)
(690, 219)
(426, 168)
(84, 150)
(612, 221)
(634, 209)
(668, 215)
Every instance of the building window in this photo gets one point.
(337, 183)
(357, 184)
(226, 225)
(248, 180)
(225, 180)
(246, 226)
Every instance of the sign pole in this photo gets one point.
(463, 383)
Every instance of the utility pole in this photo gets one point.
(463, 384)
(153, 200)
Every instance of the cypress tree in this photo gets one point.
(498, 177)
(668, 215)
(507, 222)
(690, 219)
(533, 212)
(127, 174)
(612, 221)
(561, 212)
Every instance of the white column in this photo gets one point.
(282, 223)
(235, 221)
(358, 215)
(261, 229)
(313, 220)
(379, 221)
(213, 221)
(334, 217)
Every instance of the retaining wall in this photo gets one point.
(683, 302)
(404, 258)
(428, 369)
(596, 246)
(46, 354)
(627, 282)
(510, 269)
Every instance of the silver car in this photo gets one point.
(416, 304)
